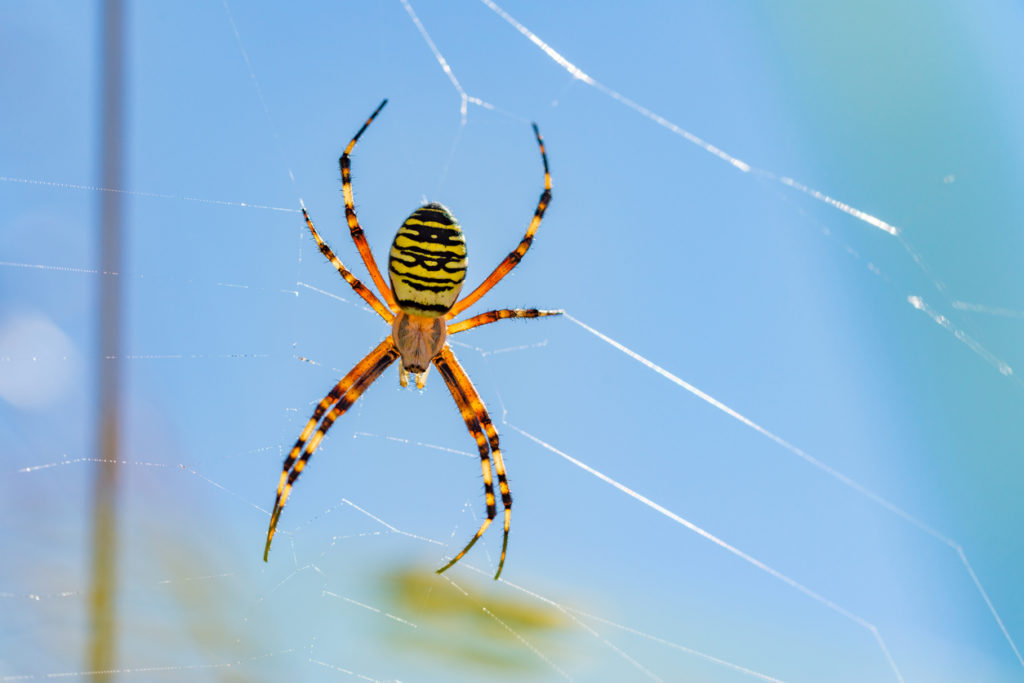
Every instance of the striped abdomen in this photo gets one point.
(427, 263)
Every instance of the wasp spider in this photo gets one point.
(426, 267)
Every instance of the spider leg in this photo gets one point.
(360, 289)
(339, 390)
(485, 453)
(516, 256)
(475, 415)
(495, 316)
(342, 396)
(350, 214)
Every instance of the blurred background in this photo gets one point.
(809, 212)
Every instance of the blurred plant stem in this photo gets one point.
(102, 597)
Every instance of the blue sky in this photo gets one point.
(816, 516)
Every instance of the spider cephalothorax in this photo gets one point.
(419, 340)
(427, 267)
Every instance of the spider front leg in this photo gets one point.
(477, 421)
(342, 396)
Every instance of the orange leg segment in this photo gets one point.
(495, 316)
(471, 405)
(360, 289)
(353, 222)
(342, 396)
(516, 256)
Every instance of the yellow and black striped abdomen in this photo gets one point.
(427, 264)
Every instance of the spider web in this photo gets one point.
(839, 502)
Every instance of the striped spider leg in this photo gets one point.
(478, 421)
(355, 230)
(342, 396)
(513, 259)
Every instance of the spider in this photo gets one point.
(426, 267)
